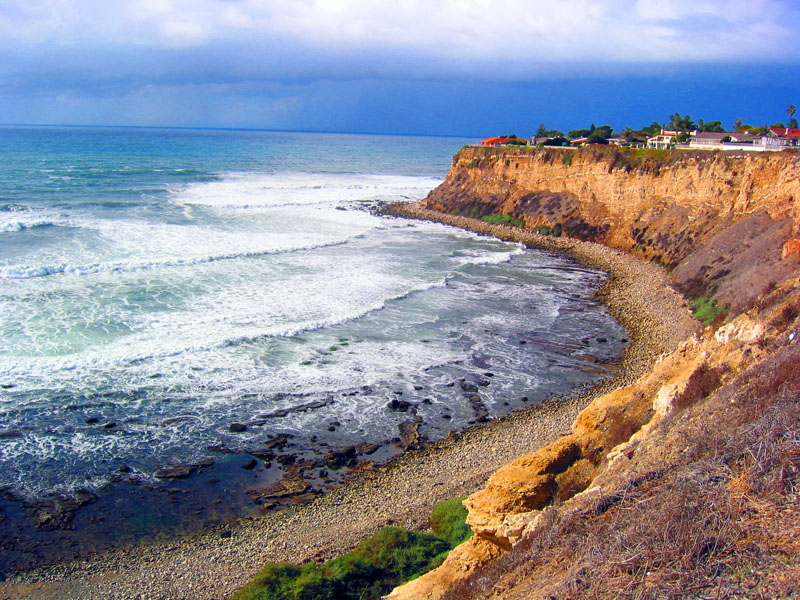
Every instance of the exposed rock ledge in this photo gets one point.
(650, 430)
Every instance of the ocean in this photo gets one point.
(158, 286)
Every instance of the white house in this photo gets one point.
(663, 140)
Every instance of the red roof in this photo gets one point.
(785, 132)
(493, 141)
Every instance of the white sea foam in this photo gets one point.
(29, 271)
(248, 190)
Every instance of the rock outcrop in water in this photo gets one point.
(684, 479)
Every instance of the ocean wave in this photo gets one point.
(249, 190)
(16, 226)
(130, 354)
(493, 258)
(32, 271)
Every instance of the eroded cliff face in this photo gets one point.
(720, 224)
(717, 219)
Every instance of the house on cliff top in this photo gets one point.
(502, 141)
(779, 138)
(662, 141)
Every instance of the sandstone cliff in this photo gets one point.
(683, 480)
(716, 218)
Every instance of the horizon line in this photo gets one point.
(256, 129)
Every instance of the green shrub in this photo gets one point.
(567, 159)
(448, 521)
(378, 564)
(706, 310)
(504, 220)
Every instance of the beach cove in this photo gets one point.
(637, 294)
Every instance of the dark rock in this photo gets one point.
(524, 398)
(285, 411)
(237, 427)
(57, 512)
(336, 459)
(279, 441)
(366, 448)
(287, 459)
(250, 464)
(262, 453)
(446, 416)
(331, 428)
(174, 472)
(601, 340)
(417, 388)
(109, 425)
(290, 485)
(398, 392)
(479, 408)
(409, 434)
(522, 342)
(10, 433)
(91, 420)
(488, 374)
(221, 448)
(426, 401)
(201, 463)
(468, 387)
(398, 405)
(124, 469)
(226, 533)
(451, 384)
(484, 382)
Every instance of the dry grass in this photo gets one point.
(719, 519)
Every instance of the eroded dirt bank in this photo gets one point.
(683, 483)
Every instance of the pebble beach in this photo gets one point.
(217, 562)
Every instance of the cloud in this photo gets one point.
(446, 30)
(331, 64)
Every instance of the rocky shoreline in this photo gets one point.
(217, 562)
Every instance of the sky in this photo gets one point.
(437, 67)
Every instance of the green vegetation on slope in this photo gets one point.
(504, 220)
(449, 521)
(373, 568)
(706, 310)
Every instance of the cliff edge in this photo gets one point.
(683, 483)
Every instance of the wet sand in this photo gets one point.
(214, 563)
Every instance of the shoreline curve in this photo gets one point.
(215, 563)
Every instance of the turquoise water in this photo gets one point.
(158, 285)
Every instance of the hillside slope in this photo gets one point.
(684, 483)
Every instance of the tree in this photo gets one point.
(628, 134)
(792, 121)
(542, 131)
(653, 129)
(599, 135)
(737, 124)
(679, 123)
(578, 133)
(712, 126)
